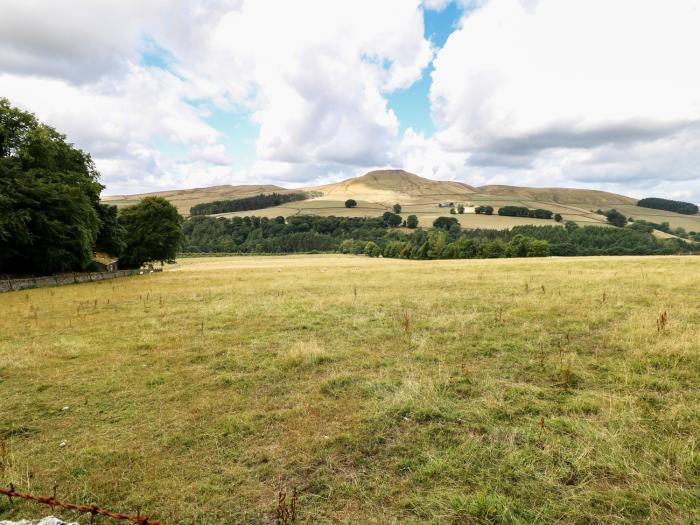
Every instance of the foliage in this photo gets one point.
(111, 236)
(558, 217)
(372, 249)
(460, 208)
(350, 235)
(597, 240)
(49, 195)
(256, 202)
(485, 210)
(521, 211)
(616, 218)
(396, 208)
(445, 223)
(686, 208)
(391, 219)
(350, 203)
(153, 232)
(412, 221)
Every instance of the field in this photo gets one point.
(385, 391)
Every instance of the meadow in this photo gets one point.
(380, 390)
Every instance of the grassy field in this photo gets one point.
(385, 391)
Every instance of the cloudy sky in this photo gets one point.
(170, 94)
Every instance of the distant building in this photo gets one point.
(105, 262)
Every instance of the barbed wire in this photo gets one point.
(93, 510)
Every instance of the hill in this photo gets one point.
(390, 186)
(559, 195)
(376, 191)
(185, 199)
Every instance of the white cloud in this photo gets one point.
(314, 75)
(562, 91)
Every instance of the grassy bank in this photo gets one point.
(385, 391)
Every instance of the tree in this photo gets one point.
(153, 232)
(616, 218)
(391, 219)
(460, 208)
(111, 236)
(396, 208)
(571, 226)
(444, 223)
(350, 203)
(558, 217)
(453, 211)
(49, 194)
(412, 222)
(372, 249)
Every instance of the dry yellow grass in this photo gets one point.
(386, 391)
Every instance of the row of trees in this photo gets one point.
(51, 218)
(657, 203)
(256, 202)
(522, 211)
(445, 240)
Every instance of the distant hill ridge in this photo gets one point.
(385, 187)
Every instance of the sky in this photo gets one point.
(170, 94)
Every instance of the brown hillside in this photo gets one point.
(582, 198)
(185, 199)
(393, 186)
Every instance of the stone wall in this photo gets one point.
(10, 285)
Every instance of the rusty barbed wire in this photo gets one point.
(93, 510)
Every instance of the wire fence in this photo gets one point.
(92, 510)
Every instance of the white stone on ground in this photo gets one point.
(48, 520)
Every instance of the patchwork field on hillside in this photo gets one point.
(383, 390)
(377, 191)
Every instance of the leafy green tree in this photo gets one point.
(558, 217)
(538, 248)
(49, 193)
(396, 208)
(437, 241)
(412, 222)
(391, 219)
(153, 232)
(111, 236)
(570, 226)
(350, 203)
(460, 208)
(444, 223)
(372, 249)
(453, 211)
(616, 218)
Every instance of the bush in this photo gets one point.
(460, 208)
(396, 208)
(350, 203)
(412, 221)
(558, 217)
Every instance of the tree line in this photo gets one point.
(446, 239)
(51, 218)
(656, 203)
(256, 202)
